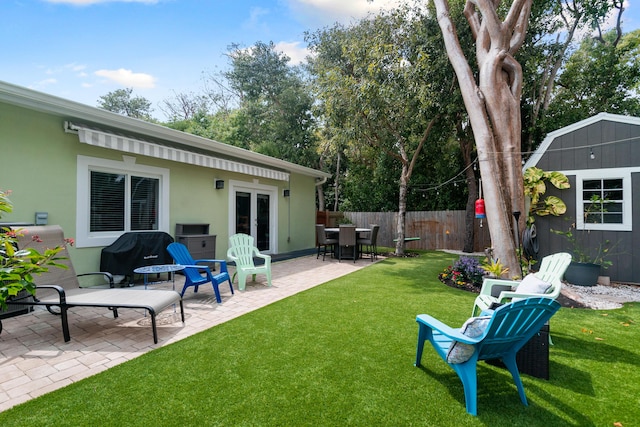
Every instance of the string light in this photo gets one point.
(549, 150)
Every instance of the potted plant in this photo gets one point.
(17, 266)
(587, 262)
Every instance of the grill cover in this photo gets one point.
(133, 250)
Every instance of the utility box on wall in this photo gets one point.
(197, 239)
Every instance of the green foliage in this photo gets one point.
(17, 267)
(552, 99)
(535, 188)
(379, 83)
(466, 269)
(219, 126)
(275, 103)
(494, 268)
(600, 76)
(581, 250)
(583, 253)
(120, 101)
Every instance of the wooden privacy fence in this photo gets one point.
(436, 229)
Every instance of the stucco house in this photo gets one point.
(600, 156)
(98, 175)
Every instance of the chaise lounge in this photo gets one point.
(59, 289)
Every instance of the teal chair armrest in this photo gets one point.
(446, 330)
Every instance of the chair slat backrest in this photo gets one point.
(347, 236)
(242, 247)
(515, 323)
(552, 269)
(321, 235)
(374, 233)
(181, 255)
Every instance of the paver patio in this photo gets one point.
(34, 359)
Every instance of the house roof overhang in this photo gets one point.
(109, 123)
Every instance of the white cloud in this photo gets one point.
(128, 78)
(45, 82)
(344, 11)
(255, 14)
(78, 69)
(293, 50)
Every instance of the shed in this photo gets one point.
(600, 156)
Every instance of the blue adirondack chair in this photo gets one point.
(505, 332)
(193, 273)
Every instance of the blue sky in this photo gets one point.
(83, 49)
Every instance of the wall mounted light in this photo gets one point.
(591, 155)
(286, 192)
(219, 184)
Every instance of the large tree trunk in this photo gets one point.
(319, 187)
(493, 106)
(402, 209)
(336, 189)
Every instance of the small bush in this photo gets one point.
(465, 270)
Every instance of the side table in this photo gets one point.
(157, 269)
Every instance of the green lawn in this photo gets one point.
(342, 354)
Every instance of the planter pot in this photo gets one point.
(582, 273)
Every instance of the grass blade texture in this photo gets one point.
(342, 354)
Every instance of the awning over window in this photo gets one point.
(100, 138)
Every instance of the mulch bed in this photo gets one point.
(470, 287)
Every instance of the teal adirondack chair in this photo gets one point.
(193, 273)
(549, 285)
(505, 332)
(242, 251)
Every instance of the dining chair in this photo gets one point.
(324, 242)
(370, 242)
(347, 242)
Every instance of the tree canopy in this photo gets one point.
(121, 101)
(384, 89)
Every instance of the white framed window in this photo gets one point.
(603, 199)
(116, 197)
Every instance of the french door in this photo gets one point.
(253, 212)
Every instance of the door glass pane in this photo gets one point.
(144, 203)
(243, 212)
(263, 222)
(107, 202)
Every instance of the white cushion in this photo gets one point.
(532, 285)
(460, 352)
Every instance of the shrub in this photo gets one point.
(465, 270)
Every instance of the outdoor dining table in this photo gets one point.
(335, 231)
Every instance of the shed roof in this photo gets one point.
(551, 136)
